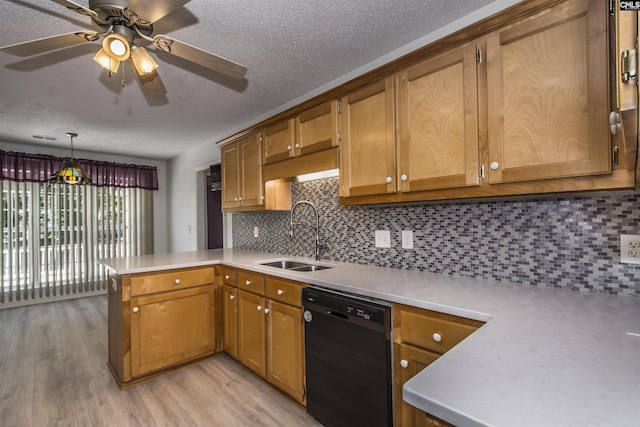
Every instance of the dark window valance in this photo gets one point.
(39, 167)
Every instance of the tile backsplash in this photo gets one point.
(567, 242)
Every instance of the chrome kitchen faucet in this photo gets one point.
(292, 224)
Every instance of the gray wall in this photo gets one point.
(567, 242)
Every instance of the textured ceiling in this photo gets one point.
(290, 48)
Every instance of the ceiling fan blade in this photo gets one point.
(46, 44)
(152, 11)
(199, 56)
(152, 83)
(76, 8)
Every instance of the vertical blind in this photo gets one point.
(53, 234)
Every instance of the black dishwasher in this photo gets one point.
(348, 359)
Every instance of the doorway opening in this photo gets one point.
(215, 228)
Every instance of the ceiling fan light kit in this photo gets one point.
(123, 22)
(106, 61)
(142, 61)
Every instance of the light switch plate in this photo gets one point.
(630, 248)
(383, 239)
(407, 239)
(256, 233)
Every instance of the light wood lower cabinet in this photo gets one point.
(420, 337)
(269, 329)
(159, 321)
(252, 338)
(230, 310)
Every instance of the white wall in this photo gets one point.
(187, 197)
(160, 197)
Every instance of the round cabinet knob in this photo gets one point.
(404, 363)
(226, 276)
(240, 198)
(437, 337)
(235, 199)
(259, 307)
(403, 178)
(389, 180)
(231, 297)
(248, 282)
(177, 281)
(136, 309)
(494, 166)
(297, 145)
(280, 292)
(288, 147)
(266, 311)
(614, 118)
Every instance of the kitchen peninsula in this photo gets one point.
(544, 356)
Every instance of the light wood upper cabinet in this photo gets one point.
(242, 173)
(279, 141)
(438, 122)
(548, 95)
(368, 151)
(313, 130)
(317, 129)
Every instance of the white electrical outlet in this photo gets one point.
(256, 232)
(407, 239)
(630, 248)
(383, 239)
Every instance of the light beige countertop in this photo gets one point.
(545, 357)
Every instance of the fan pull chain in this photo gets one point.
(122, 82)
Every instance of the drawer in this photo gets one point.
(229, 276)
(434, 332)
(171, 280)
(251, 282)
(285, 291)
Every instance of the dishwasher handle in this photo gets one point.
(337, 314)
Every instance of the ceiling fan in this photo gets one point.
(125, 22)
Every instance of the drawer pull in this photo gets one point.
(136, 309)
(280, 292)
(177, 281)
(266, 311)
(248, 283)
(259, 307)
(437, 337)
(231, 297)
(404, 363)
(227, 277)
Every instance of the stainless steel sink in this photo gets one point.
(295, 265)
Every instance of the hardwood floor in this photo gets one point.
(53, 372)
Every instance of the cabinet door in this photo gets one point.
(230, 167)
(438, 122)
(412, 360)
(252, 188)
(252, 343)
(279, 141)
(368, 154)
(230, 316)
(548, 95)
(317, 128)
(285, 367)
(170, 328)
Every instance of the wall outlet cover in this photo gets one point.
(383, 239)
(407, 239)
(630, 248)
(256, 232)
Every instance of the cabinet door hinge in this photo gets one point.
(629, 65)
(339, 135)
(481, 171)
(339, 108)
(614, 155)
(479, 56)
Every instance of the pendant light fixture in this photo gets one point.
(70, 172)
